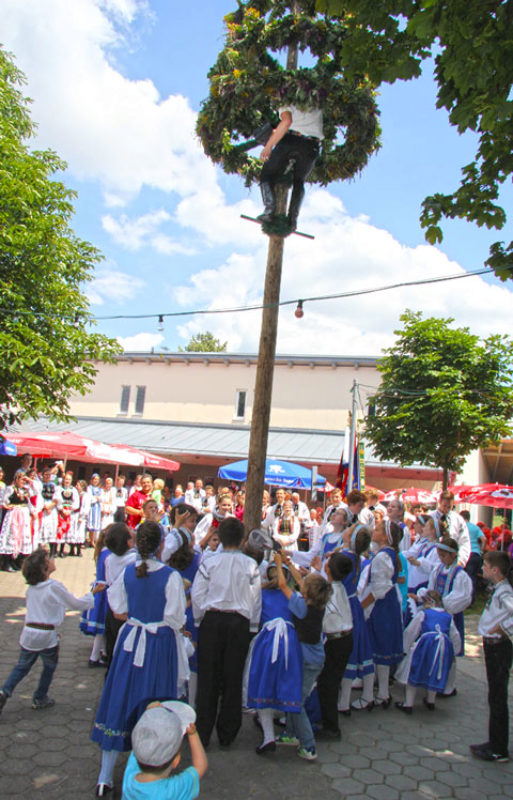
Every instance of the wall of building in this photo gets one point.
(313, 395)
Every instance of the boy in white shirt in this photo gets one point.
(496, 628)
(226, 602)
(47, 601)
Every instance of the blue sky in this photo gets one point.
(116, 85)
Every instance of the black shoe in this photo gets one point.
(266, 216)
(100, 663)
(3, 700)
(268, 747)
(445, 696)
(345, 711)
(102, 789)
(382, 702)
(429, 706)
(485, 753)
(405, 709)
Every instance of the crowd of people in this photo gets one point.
(307, 620)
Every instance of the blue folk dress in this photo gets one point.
(431, 656)
(274, 666)
(360, 661)
(92, 621)
(444, 583)
(385, 623)
(145, 664)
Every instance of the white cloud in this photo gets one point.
(109, 128)
(142, 342)
(348, 254)
(133, 234)
(111, 285)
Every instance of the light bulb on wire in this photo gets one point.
(299, 313)
(161, 323)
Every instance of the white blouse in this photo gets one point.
(174, 610)
(46, 604)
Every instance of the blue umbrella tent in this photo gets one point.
(277, 473)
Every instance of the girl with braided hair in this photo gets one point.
(382, 599)
(149, 659)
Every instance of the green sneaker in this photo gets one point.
(291, 741)
(308, 755)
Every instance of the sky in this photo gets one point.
(116, 86)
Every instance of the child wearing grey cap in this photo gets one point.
(156, 753)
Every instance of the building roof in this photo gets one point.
(220, 442)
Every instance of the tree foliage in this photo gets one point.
(473, 47)
(443, 394)
(248, 84)
(47, 352)
(204, 343)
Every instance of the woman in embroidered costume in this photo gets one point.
(286, 527)
(149, 659)
(67, 504)
(16, 535)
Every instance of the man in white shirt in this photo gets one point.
(454, 524)
(297, 137)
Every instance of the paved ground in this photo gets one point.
(383, 755)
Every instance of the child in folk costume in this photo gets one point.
(430, 641)
(94, 520)
(82, 515)
(68, 503)
(274, 667)
(307, 609)
(92, 622)
(356, 541)
(121, 552)
(422, 555)
(496, 628)
(47, 601)
(337, 627)
(48, 516)
(186, 560)
(455, 586)
(148, 659)
(16, 532)
(329, 542)
(286, 527)
(383, 606)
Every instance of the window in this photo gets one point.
(240, 404)
(125, 400)
(139, 399)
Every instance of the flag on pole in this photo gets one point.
(343, 467)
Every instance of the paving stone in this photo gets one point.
(419, 773)
(348, 786)
(401, 782)
(356, 762)
(387, 767)
(336, 771)
(369, 776)
(382, 792)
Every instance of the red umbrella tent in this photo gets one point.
(70, 445)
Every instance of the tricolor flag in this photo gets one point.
(343, 467)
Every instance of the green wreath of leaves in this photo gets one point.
(248, 84)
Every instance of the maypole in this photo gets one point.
(247, 85)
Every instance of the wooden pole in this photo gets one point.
(266, 355)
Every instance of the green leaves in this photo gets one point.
(443, 394)
(46, 356)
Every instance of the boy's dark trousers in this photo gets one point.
(337, 652)
(498, 659)
(222, 648)
(28, 658)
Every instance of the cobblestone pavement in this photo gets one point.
(383, 755)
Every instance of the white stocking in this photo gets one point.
(383, 673)
(344, 698)
(98, 646)
(109, 758)
(368, 687)
(193, 686)
(409, 695)
(266, 717)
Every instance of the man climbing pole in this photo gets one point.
(295, 139)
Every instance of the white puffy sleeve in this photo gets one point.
(174, 611)
(117, 597)
(382, 571)
(460, 597)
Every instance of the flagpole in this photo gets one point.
(352, 437)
